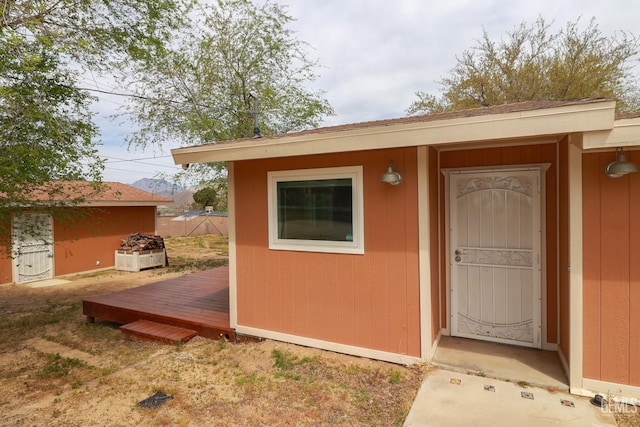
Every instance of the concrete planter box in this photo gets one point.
(139, 260)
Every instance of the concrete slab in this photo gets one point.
(448, 398)
(46, 283)
(504, 362)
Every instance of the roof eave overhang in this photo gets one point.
(625, 133)
(568, 119)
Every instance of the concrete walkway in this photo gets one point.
(45, 283)
(449, 399)
(504, 362)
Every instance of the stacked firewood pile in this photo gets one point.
(141, 242)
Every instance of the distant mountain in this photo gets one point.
(157, 186)
(183, 198)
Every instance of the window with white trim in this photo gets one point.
(316, 210)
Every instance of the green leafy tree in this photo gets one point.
(205, 90)
(534, 64)
(213, 194)
(46, 130)
(206, 196)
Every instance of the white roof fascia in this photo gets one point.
(586, 117)
(596, 139)
(625, 133)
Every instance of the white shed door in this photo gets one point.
(495, 256)
(32, 247)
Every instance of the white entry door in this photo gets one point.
(495, 240)
(32, 248)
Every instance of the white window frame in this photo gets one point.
(356, 246)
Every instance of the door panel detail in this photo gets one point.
(32, 247)
(495, 241)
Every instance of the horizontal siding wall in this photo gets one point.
(611, 276)
(369, 301)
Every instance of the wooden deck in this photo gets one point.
(198, 301)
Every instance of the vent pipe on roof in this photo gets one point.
(255, 113)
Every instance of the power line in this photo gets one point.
(118, 160)
(152, 164)
(128, 170)
(140, 158)
(149, 98)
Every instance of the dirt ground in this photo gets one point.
(56, 369)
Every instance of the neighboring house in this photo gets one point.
(504, 227)
(85, 243)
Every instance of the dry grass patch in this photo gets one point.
(628, 416)
(57, 369)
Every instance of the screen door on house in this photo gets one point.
(495, 255)
(32, 247)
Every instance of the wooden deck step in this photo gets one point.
(145, 330)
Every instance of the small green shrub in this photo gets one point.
(57, 366)
(284, 360)
(394, 376)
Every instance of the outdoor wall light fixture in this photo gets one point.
(620, 166)
(391, 177)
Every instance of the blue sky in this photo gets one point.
(375, 55)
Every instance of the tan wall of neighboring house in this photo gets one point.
(515, 155)
(611, 272)
(193, 226)
(369, 301)
(90, 241)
